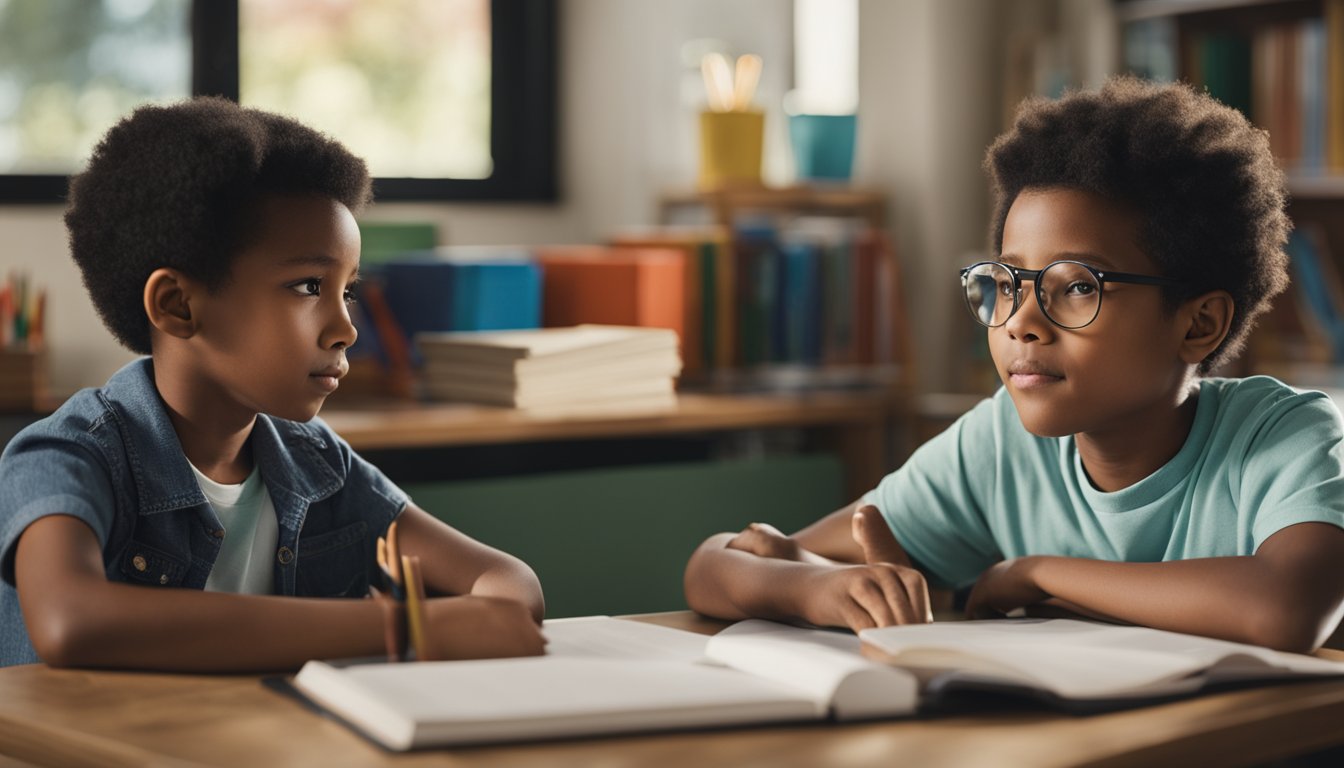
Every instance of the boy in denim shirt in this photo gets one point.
(185, 515)
(1138, 233)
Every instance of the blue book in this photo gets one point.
(801, 302)
(434, 292)
(1316, 289)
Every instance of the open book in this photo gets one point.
(1079, 666)
(603, 676)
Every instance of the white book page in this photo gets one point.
(1079, 659)
(826, 665)
(606, 638)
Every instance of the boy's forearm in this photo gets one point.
(121, 625)
(1236, 598)
(732, 584)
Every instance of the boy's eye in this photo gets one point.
(1080, 289)
(310, 287)
(350, 297)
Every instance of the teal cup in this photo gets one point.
(823, 146)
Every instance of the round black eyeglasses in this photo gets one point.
(1068, 292)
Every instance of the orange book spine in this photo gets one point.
(1334, 84)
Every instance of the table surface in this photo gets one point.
(97, 718)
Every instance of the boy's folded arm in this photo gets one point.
(456, 564)
(734, 584)
(1288, 595)
(76, 618)
(752, 575)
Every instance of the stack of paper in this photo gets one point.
(575, 369)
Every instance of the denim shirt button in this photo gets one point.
(139, 562)
(285, 556)
(218, 533)
(163, 578)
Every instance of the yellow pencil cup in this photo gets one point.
(730, 148)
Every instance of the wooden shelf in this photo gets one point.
(724, 203)
(405, 424)
(855, 425)
(1151, 9)
(1319, 186)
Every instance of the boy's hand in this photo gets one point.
(765, 540)
(1005, 586)
(866, 596)
(474, 627)
(884, 591)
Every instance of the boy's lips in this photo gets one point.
(1028, 374)
(328, 378)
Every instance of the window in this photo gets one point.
(446, 99)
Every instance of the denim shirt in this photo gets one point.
(111, 458)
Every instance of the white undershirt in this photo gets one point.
(245, 563)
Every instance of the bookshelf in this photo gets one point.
(1281, 62)
(725, 205)
(816, 296)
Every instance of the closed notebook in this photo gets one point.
(604, 676)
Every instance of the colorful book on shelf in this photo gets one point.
(1320, 291)
(801, 302)
(704, 252)
(607, 676)
(1311, 78)
(464, 289)
(594, 284)
(1225, 68)
(1334, 84)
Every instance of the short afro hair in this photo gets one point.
(172, 186)
(1201, 178)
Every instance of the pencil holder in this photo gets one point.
(730, 148)
(23, 378)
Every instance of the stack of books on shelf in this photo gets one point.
(557, 371)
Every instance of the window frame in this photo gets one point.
(522, 96)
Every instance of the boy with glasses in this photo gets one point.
(1138, 233)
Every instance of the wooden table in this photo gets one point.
(109, 719)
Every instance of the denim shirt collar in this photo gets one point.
(164, 479)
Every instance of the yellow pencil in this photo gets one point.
(415, 606)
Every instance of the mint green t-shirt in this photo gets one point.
(1260, 457)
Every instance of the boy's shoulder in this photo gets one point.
(1258, 394)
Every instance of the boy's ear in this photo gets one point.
(1206, 320)
(168, 295)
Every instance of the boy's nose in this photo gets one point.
(341, 332)
(1028, 323)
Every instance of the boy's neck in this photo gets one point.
(1117, 459)
(214, 439)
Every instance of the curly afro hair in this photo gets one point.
(172, 186)
(1208, 194)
